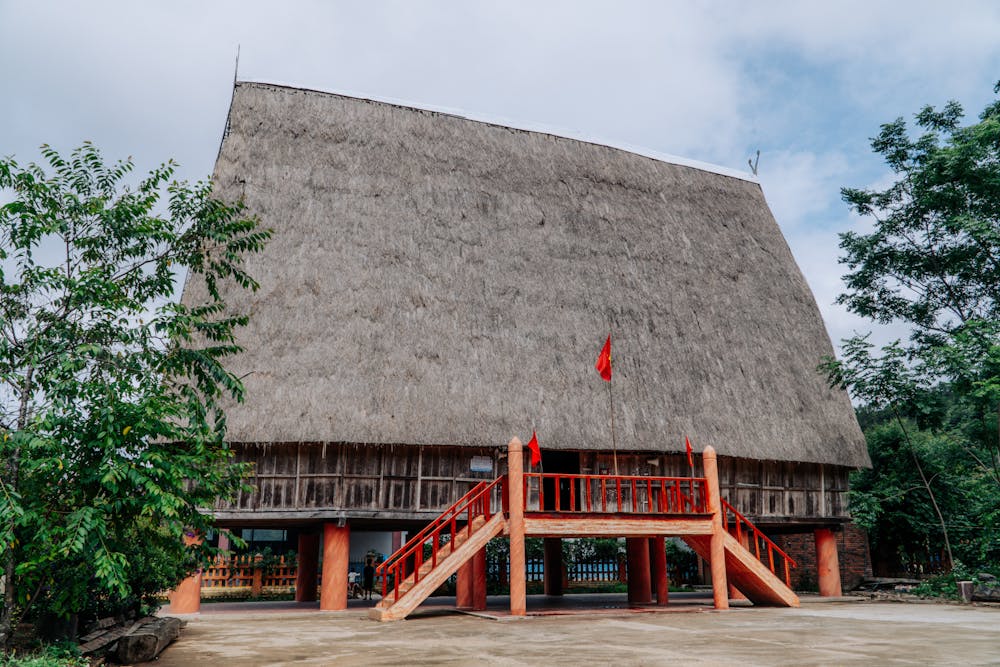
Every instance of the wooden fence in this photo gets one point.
(250, 574)
(247, 572)
(587, 572)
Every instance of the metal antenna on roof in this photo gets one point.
(753, 163)
(236, 70)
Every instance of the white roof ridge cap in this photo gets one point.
(540, 128)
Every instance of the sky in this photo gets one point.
(805, 83)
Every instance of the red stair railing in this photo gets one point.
(617, 494)
(741, 526)
(478, 502)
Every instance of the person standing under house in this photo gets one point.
(368, 578)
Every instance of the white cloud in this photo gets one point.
(806, 82)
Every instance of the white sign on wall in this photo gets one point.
(481, 464)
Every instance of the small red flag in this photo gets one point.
(536, 453)
(603, 364)
(687, 443)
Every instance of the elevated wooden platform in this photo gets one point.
(568, 505)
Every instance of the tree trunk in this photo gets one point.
(13, 470)
(927, 485)
(148, 641)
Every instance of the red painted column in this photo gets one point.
(720, 593)
(308, 563)
(479, 580)
(658, 564)
(186, 598)
(515, 524)
(553, 565)
(464, 585)
(336, 560)
(639, 585)
(827, 563)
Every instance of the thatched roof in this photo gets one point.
(437, 280)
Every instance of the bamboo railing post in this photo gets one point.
(720, 592)
(515, 477)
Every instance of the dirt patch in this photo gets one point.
(832, 633)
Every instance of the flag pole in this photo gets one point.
(614, 442)
(611, 403)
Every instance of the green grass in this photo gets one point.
(54, 655)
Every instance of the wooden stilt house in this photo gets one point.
(438, 284)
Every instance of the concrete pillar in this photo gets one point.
(186, 597)
(827, 563)
(308, 560)
(336, 560)
(658, 564)
(639, 585)
(553, 565)
(515, 522)
(717, 561)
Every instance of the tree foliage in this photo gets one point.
(932, 262)
(110, 390)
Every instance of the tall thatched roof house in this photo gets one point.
(437, 284)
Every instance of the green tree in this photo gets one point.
(110, 390)
(932, 262)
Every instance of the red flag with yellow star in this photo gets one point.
(603, 364)
(687, 443)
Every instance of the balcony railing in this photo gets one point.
(615, 494)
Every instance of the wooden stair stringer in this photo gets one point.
(443, 552)
(436, 576)
(746, 572)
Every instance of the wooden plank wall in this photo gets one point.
(310, 476)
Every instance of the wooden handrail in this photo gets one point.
(475, 503)
(661, 495)
(758, 537)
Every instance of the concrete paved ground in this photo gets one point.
(836, 633)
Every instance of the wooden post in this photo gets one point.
(639, 586)
(827, 563)
(186, 598)
(308, 564)
(464, 585)
(336, 555)
(258, 576)
(515, 521)
(553, 565)
(479, 580)
(658, 563)
(717, 561)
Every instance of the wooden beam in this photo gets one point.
(614, 527)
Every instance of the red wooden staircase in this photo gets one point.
(436, 552)
(594, 505)
(753, 562)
